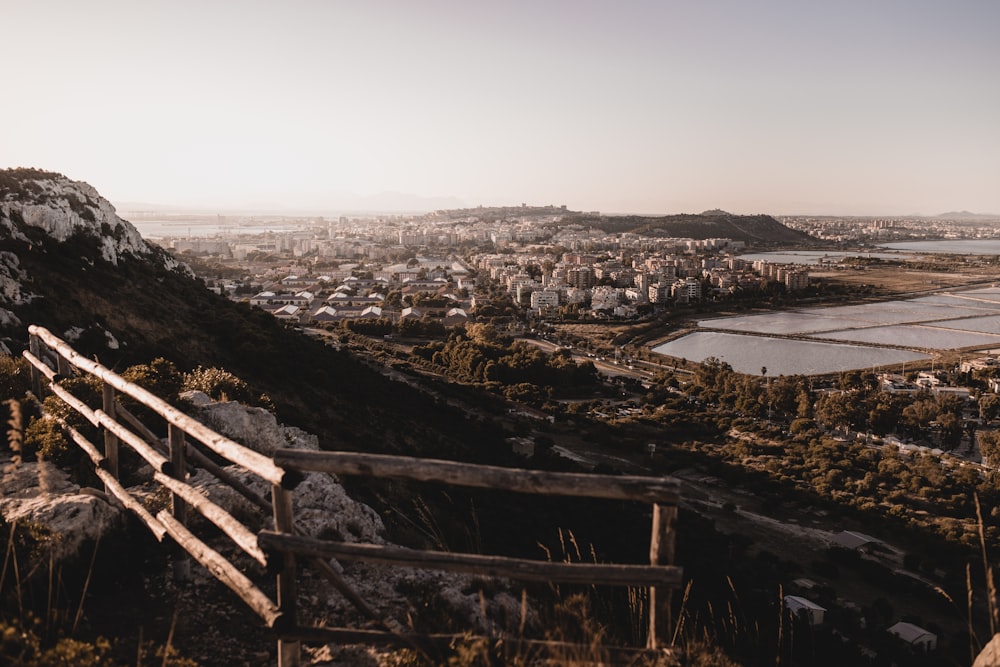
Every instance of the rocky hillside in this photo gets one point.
(70, 264)
(756, 230)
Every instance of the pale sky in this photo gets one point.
(659, 106)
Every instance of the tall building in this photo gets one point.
(581, 277)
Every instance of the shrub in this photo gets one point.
(44, 438)
(159, 377)
(221, 385)
(15, 377)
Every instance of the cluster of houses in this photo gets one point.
(311, 301)
(619, 285)
(895, 383)
(598, 283)
(910, 634)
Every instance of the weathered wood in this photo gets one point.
(661, 553)
(284, 470)
(337, 581)
(177, 460)
(152, 457)
(498, 566)
(237, 532)
(64, 367)
(230, 480)
(40, 366)
(255, 462)
(35, 349)
(178, 508)
(222, 570)
(284, 522)
(647, 489)
(110, 440)
(137, 425)
(198, 458)
(115, 489)
(72, 401)
(89, 448)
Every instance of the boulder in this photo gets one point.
(40, 495)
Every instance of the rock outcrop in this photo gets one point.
(40, 497)
(324, 509)
(60, 207)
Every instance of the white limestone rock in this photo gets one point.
(62, 207)
(322, 506)
(252, 427)
(11, 279)
(40, 494)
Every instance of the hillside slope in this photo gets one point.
(751, 229)
(70, 264)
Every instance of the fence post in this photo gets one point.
(63, 366)
(661, 552)
(34, 346)
(284, 522)
(178, 508)
(110, 439)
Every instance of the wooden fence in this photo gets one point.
(280, 549)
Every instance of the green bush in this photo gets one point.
(160, 377)
(15, 378)
(44, 439)
(221, 385)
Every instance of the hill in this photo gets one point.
(70, 264)
(752, 229)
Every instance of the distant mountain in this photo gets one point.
(967, 215)
(311, 204)
(751, 229)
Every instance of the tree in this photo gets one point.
(951, 429)
(841, 409)
(884, 415)
(851, 380)
(989, 447)
(918, 415)
(989, 407)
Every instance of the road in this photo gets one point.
(605, 367)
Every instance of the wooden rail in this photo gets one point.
(170, 464)
(660, 576)
(221, 445)
(278, 550)
(611, 487)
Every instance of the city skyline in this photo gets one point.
(851, 108)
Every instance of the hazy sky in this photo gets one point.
(661, 106)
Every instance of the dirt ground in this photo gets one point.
(894, 280)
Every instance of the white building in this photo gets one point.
(915, 636)
(688, 289)
(659, 293)
(605, 298)
(807, 608)
(545, 299)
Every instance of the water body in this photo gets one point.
(158, 229)
(946, 321)
(747, 354)
(957, 247)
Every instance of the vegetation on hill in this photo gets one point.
(755, 229)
